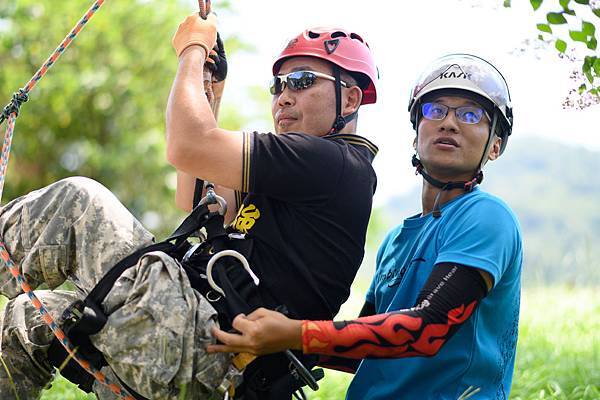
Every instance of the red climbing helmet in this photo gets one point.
(343, 48)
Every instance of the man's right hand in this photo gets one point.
(195, 31)
(261, 332)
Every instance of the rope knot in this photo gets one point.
(18, 98)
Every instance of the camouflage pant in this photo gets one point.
(158, 326)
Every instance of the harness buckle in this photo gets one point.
(233, 377)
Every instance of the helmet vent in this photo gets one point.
(338, 34)
(313, 35)
(355, 36)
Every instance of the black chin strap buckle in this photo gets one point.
(417, 164)
(339, 124)
(470, 185)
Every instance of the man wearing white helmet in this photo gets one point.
(443, 306)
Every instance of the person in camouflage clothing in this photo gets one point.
(159, 326)
(304, 197)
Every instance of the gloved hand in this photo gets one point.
(196, 31)
(217, 61)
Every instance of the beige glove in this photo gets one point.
(196, 31)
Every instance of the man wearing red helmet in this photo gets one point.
(440, 319)
(307, 190)
(304, 197)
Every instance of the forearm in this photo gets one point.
(448, 299)
(189, 114)
(392, 335)
(184, 193)
(217, 91)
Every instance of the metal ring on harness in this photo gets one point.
(212, 297)
(213, 198)
(225, 253)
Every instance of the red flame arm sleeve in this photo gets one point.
(448, 298)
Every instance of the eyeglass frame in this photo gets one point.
(448, 108)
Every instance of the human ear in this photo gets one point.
(353, 98)
(494, 152)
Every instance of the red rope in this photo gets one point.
(204, 6)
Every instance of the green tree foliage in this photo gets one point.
(99, 112)
(581, 18)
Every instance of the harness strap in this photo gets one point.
(340, 121)
(198, 192)
(85, 318)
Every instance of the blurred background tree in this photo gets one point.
(100, 110)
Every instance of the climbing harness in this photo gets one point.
(85, 317)
(209, 265)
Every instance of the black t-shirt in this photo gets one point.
(307, 208)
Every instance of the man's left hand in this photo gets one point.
(217, 61)
(261, 332)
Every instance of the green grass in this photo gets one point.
(558, 354)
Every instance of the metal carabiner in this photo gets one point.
(213, 198)
(230, 253)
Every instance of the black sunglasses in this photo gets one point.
(298, 80)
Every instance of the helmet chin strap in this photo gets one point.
(467, 186)
(340, 121)
(488, 144)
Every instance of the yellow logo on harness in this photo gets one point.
(246, 218)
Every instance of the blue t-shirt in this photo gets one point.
(477, 230)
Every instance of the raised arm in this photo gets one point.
(196, 146)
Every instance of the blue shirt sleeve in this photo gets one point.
(484, 234)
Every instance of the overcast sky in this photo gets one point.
(404, 37)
